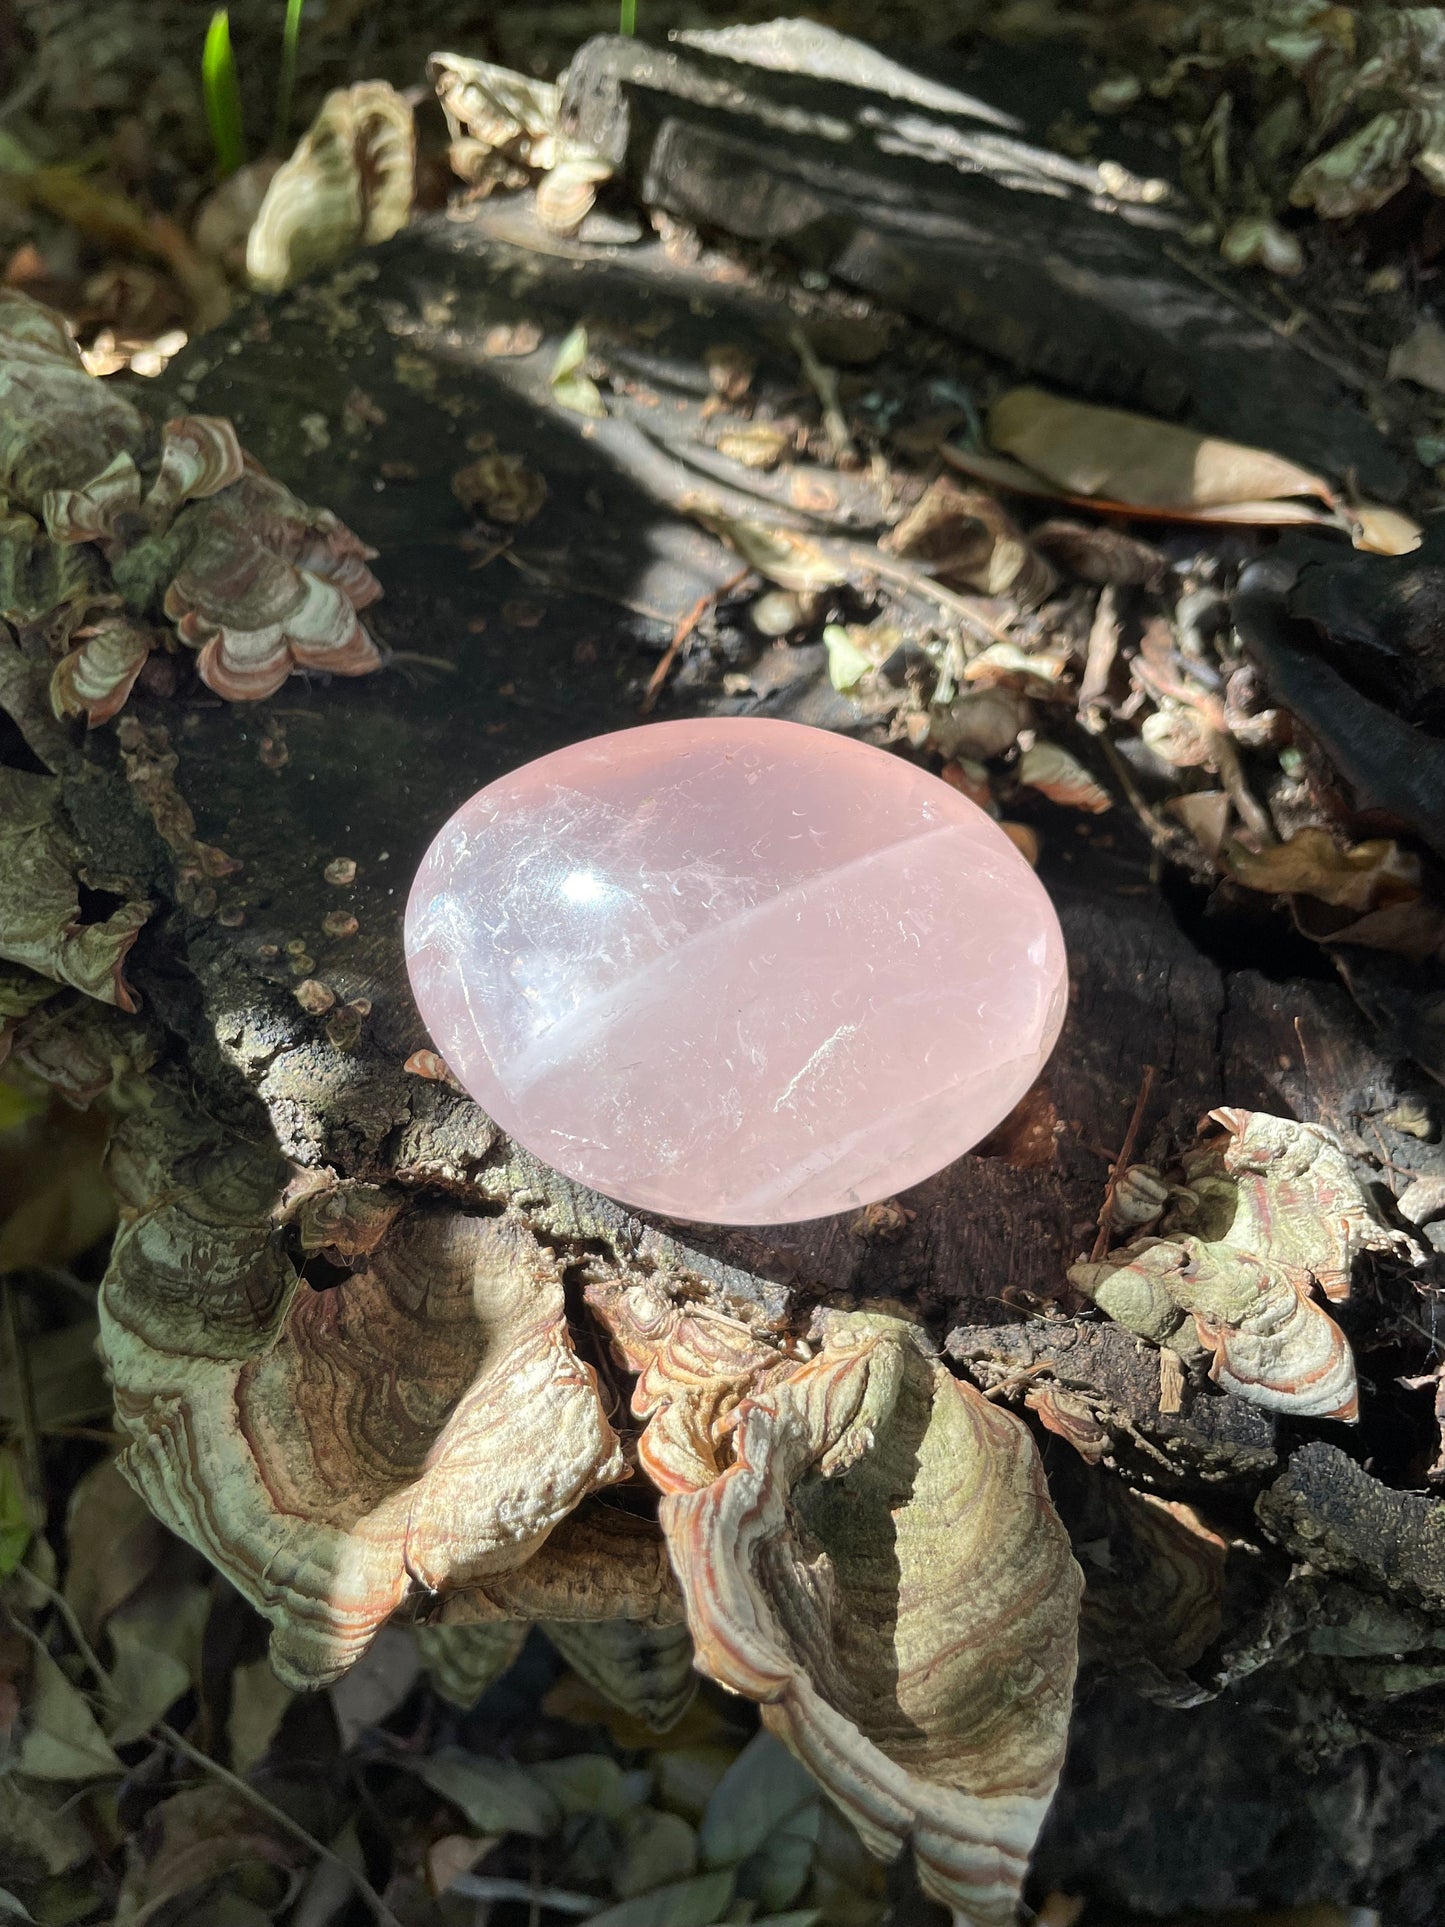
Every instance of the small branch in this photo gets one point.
(365, 1892)
(680, 635)
(825, 386)
(473, 1886)
(1120, 1166)
(31, 1466)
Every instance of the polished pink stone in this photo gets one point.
(735, 971)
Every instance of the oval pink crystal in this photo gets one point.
(733, 970)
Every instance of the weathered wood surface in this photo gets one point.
(366, 390)
(936, 202)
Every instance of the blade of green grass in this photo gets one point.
(222, 94)
(627, 23)
(286, 87)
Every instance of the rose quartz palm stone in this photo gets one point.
(735, 971)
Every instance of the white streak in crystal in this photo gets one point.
(843, 1030)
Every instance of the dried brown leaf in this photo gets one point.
(1359, 876)
(967, 539)
(1124, 457)
(1156, 469)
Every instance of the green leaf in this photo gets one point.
(656, 1848)
(698, 1902)
(286, 85)
(495, 1796)
(65, 1741)
(778, 1872)
(222, 94)
(592, 1783)
(156, 1637)
(627, 18)
(761, 1791)
(572, 387)
(847, 665)
(16, 1526)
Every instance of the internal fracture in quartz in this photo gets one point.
(735, 970)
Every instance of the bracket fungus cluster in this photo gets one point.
(108, 531)
(849, 1535)
(1267, 1211)
(333, 1451)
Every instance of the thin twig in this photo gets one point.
(825, 386)
(1353, 377)
(920, 583)
(1120, 1166)
(474, 1886)
(365, 1892)
(31, 1466)
(680, 635)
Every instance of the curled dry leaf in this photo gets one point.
(1122, 463)
(1284, 1190)
(42, 925)
(866, 1547)
(1265, 1335)
(782, 556)
(1015, 667)
(350, 180)
(1359, 876)
(422, 1424)
(97, 676)
(978, 723)
(1062, 778)
(968, 540)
